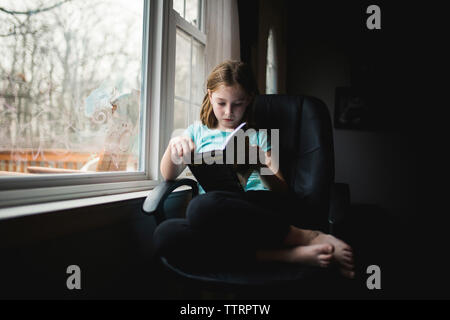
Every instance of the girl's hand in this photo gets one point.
(263, 159)
(255, 158)
(181, 148)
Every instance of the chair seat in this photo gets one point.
(254, 274)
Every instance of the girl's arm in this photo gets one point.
(276, 181)
(172, 164)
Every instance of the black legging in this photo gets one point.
(226, 226)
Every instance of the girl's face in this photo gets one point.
(229, 105)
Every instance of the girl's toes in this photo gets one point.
(348, 259)
(324, 264)
(348, 266)
(347, 248)
(325, 257)
(327, 248)
(348, 273)
(325, 260)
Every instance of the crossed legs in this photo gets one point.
(227, 225)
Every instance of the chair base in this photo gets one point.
(262, 281)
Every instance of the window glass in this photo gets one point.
(271, 65)
(190, 10)
(198, 75)
(195, 113)
(178, 6)
(70, 85)
(182, 64)
(181, 109)
(189, 79)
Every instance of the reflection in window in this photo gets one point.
(70, 79)
(189, 79)
(271, 66)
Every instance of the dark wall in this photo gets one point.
(329, 46)
(392, 164)
(112, 244)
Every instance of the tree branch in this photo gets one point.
(31, 12)
(14, 33)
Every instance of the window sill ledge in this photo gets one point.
(33, 209)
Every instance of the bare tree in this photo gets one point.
(52, 57)
(35, 11)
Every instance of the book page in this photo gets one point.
(233, 134)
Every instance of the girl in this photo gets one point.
(249, 226)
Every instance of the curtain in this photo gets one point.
(222, 32)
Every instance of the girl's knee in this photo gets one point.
(169, 235)
(176, 241)
(203, 207)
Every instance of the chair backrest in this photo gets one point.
(306, 150)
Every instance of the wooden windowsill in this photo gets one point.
(27, 210)
(33, 209)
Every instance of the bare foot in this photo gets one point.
(319, 255)
(343, 253)
(300, 237)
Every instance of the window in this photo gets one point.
(271, 65)
(189, 72)
(189, 79)
(70, 73)
(70, 86)
(90, 91)
(190, 10)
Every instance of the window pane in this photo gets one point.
(182, 64)
(195, 113)
(192, 12)
(198, 73)
(189, 79)
(178, 6)
(70, 79)
(271, 65)
(181, 109)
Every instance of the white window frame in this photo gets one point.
(176, 21)
(24, 190)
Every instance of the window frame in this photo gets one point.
(156, 49)
(176, 21)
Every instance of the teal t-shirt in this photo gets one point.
(206, 139)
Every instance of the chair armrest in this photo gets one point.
(154, 203)
(339, 205)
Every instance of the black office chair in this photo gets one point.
(307, 163)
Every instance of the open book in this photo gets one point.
(215, 171)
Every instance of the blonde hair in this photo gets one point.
(229, 73)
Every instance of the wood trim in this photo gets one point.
(52, 170)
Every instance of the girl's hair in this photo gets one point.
(229, 73)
